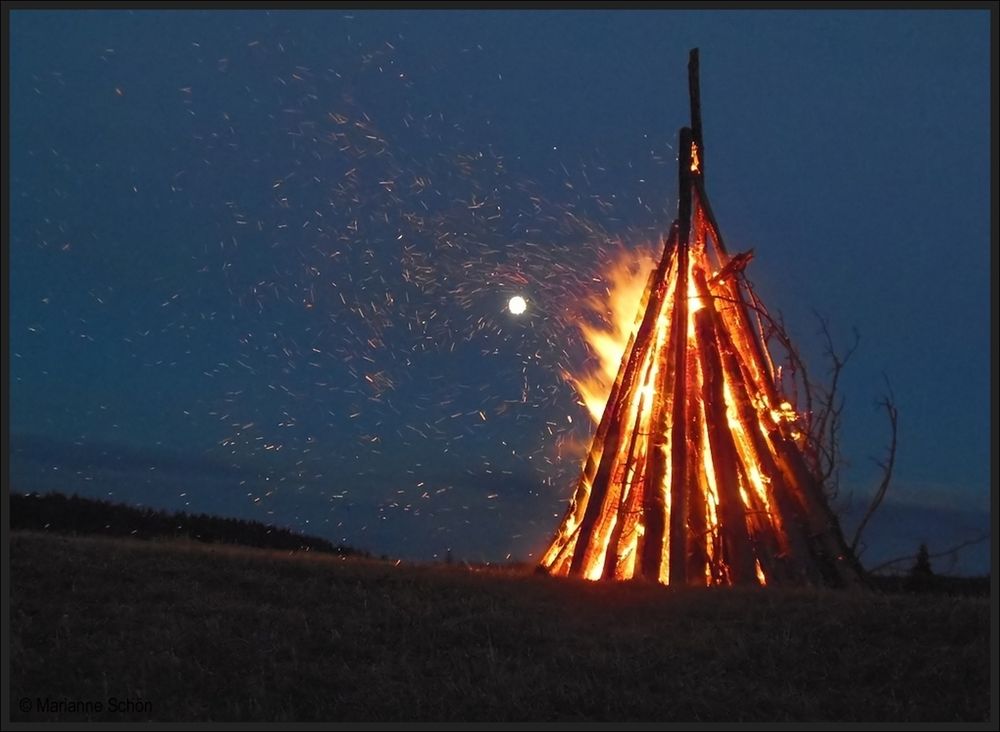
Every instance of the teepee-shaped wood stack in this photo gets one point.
(696, 474)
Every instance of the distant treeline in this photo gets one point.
(75, 515)
(937, 584)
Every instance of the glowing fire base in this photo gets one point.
(696, 474)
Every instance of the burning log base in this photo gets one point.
(699, 472)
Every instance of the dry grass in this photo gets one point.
(228, 634)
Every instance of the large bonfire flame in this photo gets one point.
(696, 474)
(615, 321)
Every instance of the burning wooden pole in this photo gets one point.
(694, 93)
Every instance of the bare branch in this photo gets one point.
(951, 550)
(889, 404)
(826, 427)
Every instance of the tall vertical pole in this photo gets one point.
(678, 433)
(694, 92)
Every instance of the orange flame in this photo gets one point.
(729, 477)
(615, 311)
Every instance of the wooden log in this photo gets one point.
(629, 518)
(678, 436)
(603, 492)
(698, 530)
(654, 506)
(789, 516)
(584, 550)
(566, 541)
(698, 482)
(837, 560)
(830, 554)
(629, 487)
(738, 550)
(764, 535)
(761, 360)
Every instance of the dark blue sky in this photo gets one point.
(259, 260)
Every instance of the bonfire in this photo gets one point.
(699, 472)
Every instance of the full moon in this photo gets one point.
(517, 305)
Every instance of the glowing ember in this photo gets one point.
(690, 478)
(517, 305)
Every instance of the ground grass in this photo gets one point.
(227, 634)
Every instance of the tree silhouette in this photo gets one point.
(921, 575)
(922, 567)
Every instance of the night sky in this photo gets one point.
(259, 261)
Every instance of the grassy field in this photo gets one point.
(190, 632)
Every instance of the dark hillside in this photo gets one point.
(207, 632)
(57, 513)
